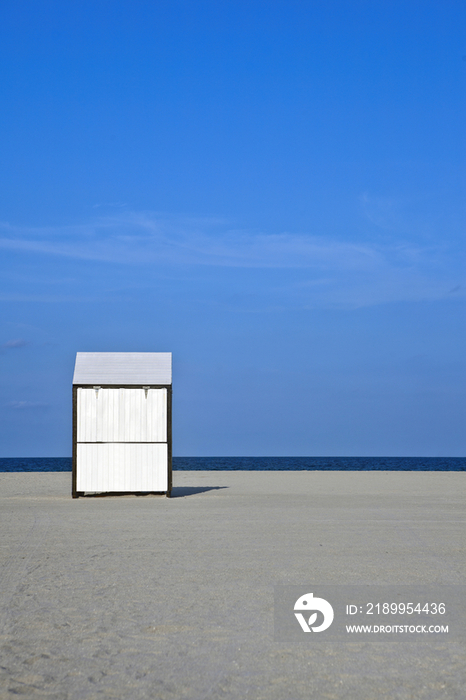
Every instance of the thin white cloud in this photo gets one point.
(339, 271)
(29, 405)
(110, 205)
(382, 212)
(141, 238)
(15, 343)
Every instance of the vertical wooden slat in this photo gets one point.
(127, 401)
(136, 417)
(130, 458)
(102, 419)
(95, 414)
(114, 415)
(80, 409)
(84, 411)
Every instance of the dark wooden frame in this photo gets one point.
(74, 474)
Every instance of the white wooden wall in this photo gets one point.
(122, 467)
(122, 415)
(122, 440)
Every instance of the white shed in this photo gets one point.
(122, 441)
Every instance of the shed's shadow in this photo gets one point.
(176, 492)
(182, 491)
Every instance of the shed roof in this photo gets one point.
(120, 368)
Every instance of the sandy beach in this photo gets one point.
(149, 597)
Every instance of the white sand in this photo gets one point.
(149, 597)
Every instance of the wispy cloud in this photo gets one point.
(29, 405)
(110, 205)
(382, 212)
(339, 271)
(144, 238)
(15, 343)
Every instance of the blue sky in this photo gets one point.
(273, 191)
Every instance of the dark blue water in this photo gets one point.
(410, 464)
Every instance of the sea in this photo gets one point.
(358, 464)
